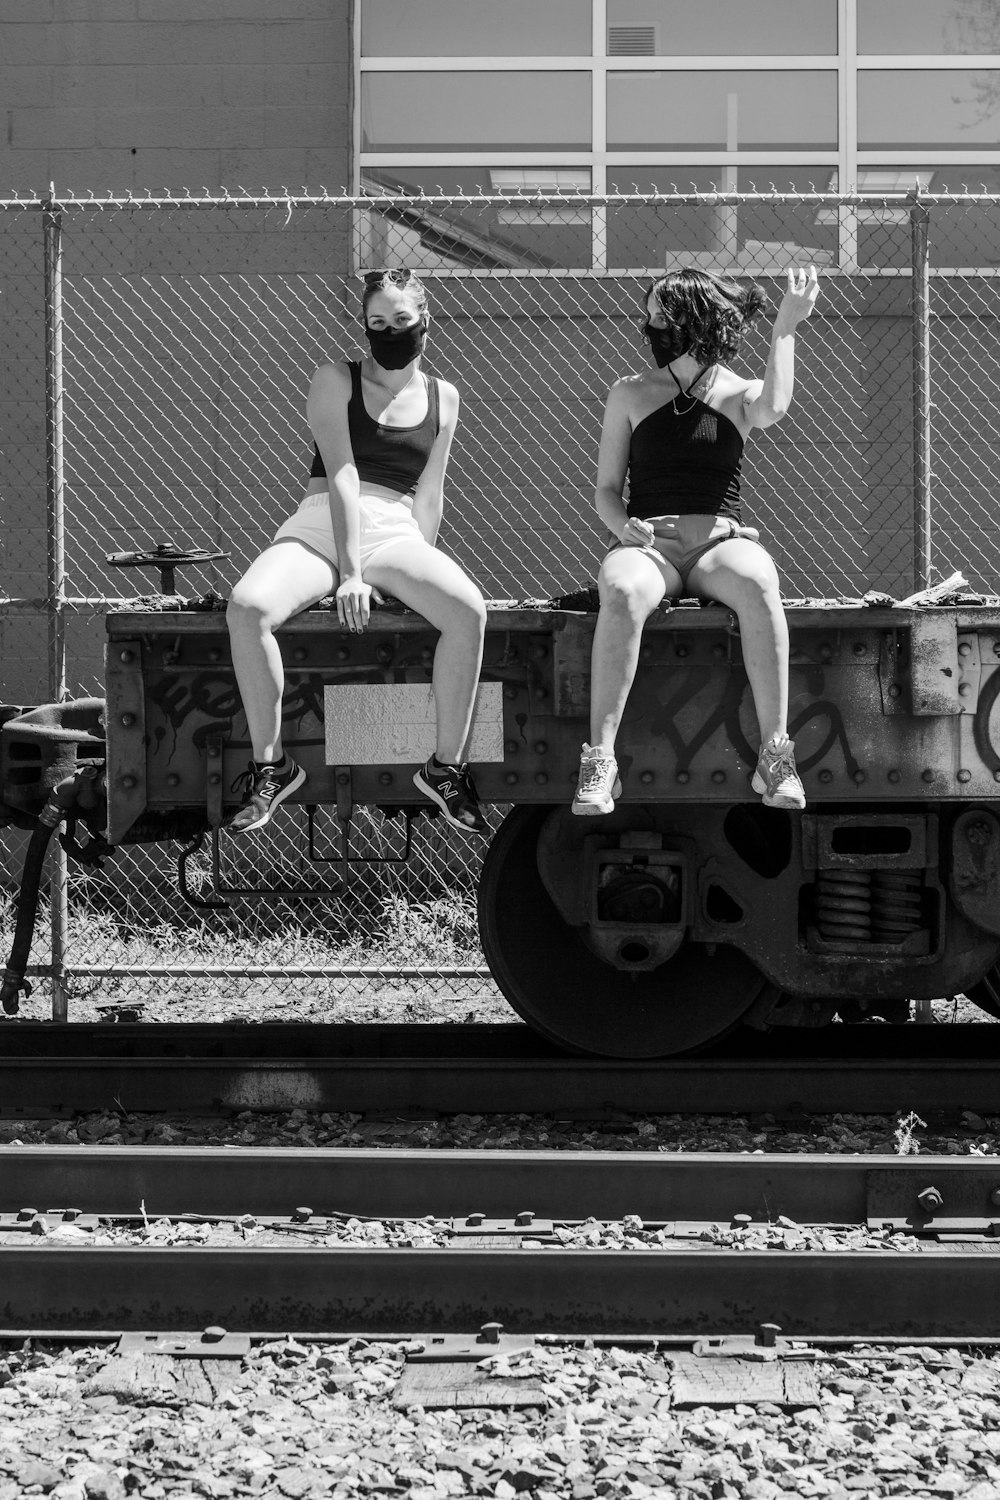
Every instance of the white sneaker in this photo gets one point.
(776, 778)
(599, 783)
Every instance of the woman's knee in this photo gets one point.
(248, 609)
(623, 600)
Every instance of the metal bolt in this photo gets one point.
(930, 1200)
(127, 656)
(927, 775)
(741, 1221)
(894, 690)
(964, 689)
(541, 747)
(385, 778)
(213, 1334)
(215, 654)
(490, 1333)
(995, 1197)
(826, 776)
(541, 778)
(128, 782)
(964, 650)
(718, 777)
(682, 650)
(718, 652)
(860, 648)
(383, 654)
(683, 777)
(825, 651)
(510, 692)
(173, 779)
(767, 1335)
(646, 777)
(342, 653)
(299, 654)
(540, 652)
(964, 776)
(475, 1219)
(215, 778)
(894, 776)
(301, 1215)
(859, 777)
(213, 752)
(996, 648)
(128, 720)
(524, 1218)
(344, 779)
(510, 747)
(512, 778)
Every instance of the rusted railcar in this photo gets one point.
(691, 908)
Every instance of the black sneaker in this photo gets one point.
(264, 786)
(454, 791)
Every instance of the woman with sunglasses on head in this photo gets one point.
(677, 434)
(369, 521)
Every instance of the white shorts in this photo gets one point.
(383, 520)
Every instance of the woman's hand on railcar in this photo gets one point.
(354, 602)
(800, 297)
(636, 533)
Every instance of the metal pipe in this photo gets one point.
(921, 315)
(56, 555)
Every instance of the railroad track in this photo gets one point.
(448, 1069)
(255, 1241)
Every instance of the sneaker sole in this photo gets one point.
(286, 791)
(597, 809)
(438, 800)
(793, 804)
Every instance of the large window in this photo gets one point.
(548, 101)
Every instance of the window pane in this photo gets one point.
(724, 110)
(475, 111)
(930, 109)
(779, 28)
(476, 236)
(962, 235)
(928, 26)
(737, 236)
(476, 28)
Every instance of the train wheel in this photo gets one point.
(562, 989)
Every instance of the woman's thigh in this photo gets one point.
(733, 572)
(284, 579)
(641, 573)
(424, 579)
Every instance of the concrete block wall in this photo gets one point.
(116, 96)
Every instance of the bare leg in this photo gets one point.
(288, 577)
(740, 574)
(631, 583)
(437, 588)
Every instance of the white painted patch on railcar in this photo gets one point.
(371, 724)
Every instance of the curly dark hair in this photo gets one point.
(713, 310)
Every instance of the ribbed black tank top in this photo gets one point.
(685, 462)
(394, 457)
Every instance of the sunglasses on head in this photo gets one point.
(396, 275)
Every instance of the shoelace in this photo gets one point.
(782, 768)
(595, 771)
(262, 782)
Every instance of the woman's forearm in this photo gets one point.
(345, 519)
(427, 512)
(779, 375)
(611, 508)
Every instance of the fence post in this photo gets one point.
(56, 555)
(920, 292)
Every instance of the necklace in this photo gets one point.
(682, 411)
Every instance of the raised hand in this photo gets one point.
(800, 296)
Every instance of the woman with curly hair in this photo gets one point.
(677, 433)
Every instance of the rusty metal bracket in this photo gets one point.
(934, 670)
(30, 1221)
(948, 1202)
(211, 1343)
(524, 1223)
(469, 1348)
(763, 1347)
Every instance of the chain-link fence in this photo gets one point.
(157, 357)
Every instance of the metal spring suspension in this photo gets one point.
(844, 905)
(896, 903)
(868, 906)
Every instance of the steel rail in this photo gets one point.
(135, 1068)
(936, 1293)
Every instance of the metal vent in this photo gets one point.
(631, 41)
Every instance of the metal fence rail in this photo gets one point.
(159, 350)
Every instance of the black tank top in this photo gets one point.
(394, 457)
(685, 462)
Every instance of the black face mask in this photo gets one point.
(393, 348)
(667, 344)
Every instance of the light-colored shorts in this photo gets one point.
(382, 521)
(684, 540)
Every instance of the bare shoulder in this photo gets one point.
(729, 393)
(626, 393)
(330, 379)
(450, 401)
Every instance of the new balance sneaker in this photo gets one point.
(599, 783)
(264, 786)
(454, 791)
(776, 778)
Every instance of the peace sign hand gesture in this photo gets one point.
(800, 296)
